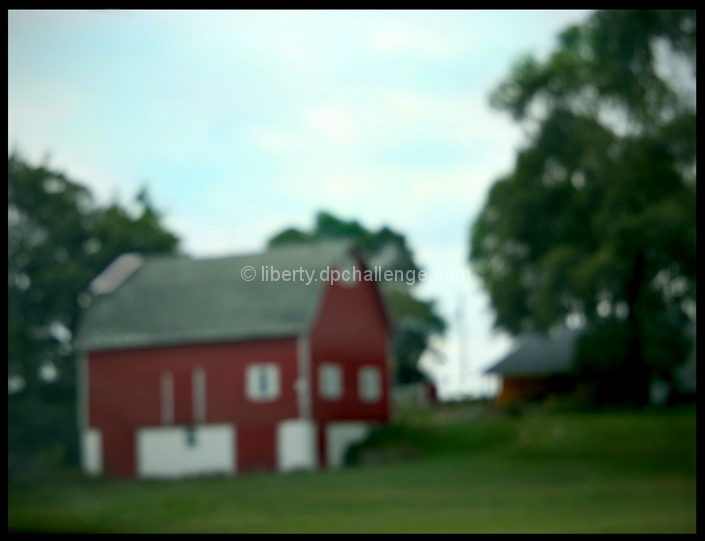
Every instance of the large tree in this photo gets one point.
(414, 321)
(58, 240)
(595, 226)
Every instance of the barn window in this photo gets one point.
(198, 381)
(262, 382)
(369, 383)
(167, 397)
(330, 381)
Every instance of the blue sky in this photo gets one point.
(243, 123)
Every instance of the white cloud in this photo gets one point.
(442, 190)
(345, 187)
(413, 40)
(303, 56)
(213, 236)
(390, 40)
(275, 139)
(403, 105)
(335, 123)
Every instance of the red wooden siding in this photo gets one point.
(257, 448)
(351, 331)
(125, 389)
(119, 453)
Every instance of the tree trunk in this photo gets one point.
(636, 374)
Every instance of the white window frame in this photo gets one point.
(255, 375)
(369, 384)
(330, 381)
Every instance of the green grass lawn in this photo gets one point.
(543, 472)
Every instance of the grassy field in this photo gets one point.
(442, 472)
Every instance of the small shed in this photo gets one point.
(543, 364)
(538, 366)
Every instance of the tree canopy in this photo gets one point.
(413, 321)
(595, 225)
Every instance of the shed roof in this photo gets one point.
(539, 355)
(166, 300)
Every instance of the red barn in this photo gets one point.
(229, 365)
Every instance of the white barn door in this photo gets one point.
(340, 436)
(177, 451)
(297, 445)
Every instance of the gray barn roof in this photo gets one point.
(539, 355)
(163, 300)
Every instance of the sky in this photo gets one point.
(245, 123)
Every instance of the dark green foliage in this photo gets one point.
(597, 220)
(58, 240)
(413, 321)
